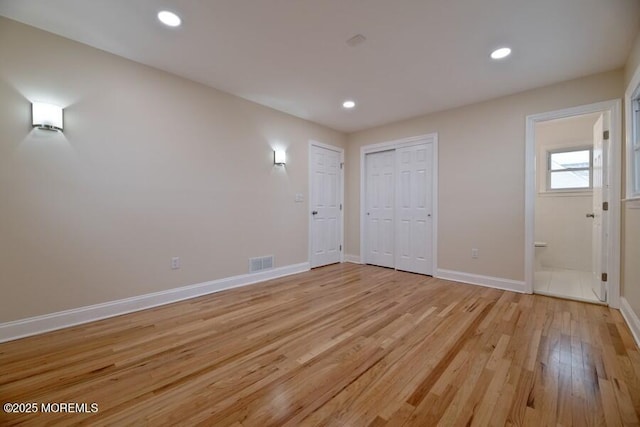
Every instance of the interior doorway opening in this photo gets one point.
(572, 192)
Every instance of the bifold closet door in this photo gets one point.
(380, 207)
(414, 216)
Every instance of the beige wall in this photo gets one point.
(631, 277)
(633, 62)
(481, 172)
(150, 166)
(560, 218)
(631, 218)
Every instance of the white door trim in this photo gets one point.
(614, 107)
(310, 187)
(392, 145)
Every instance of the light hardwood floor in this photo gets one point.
(343, 345)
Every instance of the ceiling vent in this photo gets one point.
(356, 40)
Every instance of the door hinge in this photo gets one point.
(605, 134)
(340, 206)
(605, 206)
(340, 248)
(341, 165)
(604, 277)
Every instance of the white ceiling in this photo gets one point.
(420, 56)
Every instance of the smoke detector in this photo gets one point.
(356, 40)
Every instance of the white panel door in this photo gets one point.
(325, 206)
(380, 206)
(599, 237)
(414, 226)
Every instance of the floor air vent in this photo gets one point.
(260, 263)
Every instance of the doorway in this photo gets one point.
(571, 217)
(398, 200)
(326, 164)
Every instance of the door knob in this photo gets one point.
(314, 213)
(591, 215)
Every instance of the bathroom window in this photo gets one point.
(570, 169)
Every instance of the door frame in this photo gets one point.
(340, 150)
(614, 108)
(392, 145)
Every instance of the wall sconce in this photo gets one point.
(279, 157)
(47, 116)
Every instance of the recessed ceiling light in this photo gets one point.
(348, 104)
(503, 52)
(169, 18)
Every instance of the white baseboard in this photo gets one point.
(631, 318)
(354, 259)
(63, 319)
(476, 279)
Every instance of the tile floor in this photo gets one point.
(564, 283)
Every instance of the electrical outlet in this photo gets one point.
(474, 253)
(175, 263)
(299, 198)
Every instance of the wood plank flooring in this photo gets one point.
(344, 345)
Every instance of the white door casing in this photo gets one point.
(380, 207)
(414, 209)
(325, 203)
(612, 109)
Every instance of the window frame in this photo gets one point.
(633, 160)
(549, 171)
